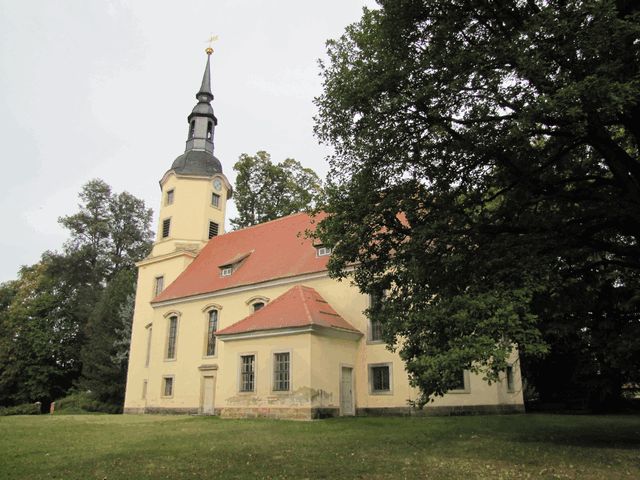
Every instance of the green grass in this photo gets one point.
(176, 447)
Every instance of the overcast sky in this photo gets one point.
(102, 89)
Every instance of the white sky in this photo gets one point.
(102, 89)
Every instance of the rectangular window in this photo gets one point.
(170, 197)
(148, 356)
(323, 251)
(166, 227)
(213, 229)
(211, 333)
(226, 271)
(375, 327)
(462, 382)
(247, 373)
(171, 341)
(215, 200)
(144, 390)
(167, 386)
(510, 379)
(281, 372)
(380, 378)
(159, 286)
(375, 331)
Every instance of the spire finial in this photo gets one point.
(209, 49)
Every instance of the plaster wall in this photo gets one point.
(315, 359)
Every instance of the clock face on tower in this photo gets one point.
(217, 184)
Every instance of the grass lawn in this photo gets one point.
(176, 447)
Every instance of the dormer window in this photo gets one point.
(322, 251)
(232, 264)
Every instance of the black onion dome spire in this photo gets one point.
(198, 158)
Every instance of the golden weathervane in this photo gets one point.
(209, 49)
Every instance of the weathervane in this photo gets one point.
(209, 49)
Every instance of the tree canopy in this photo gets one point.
(265, 190)
(63, 317)
(486, 177)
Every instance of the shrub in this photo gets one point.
(83, 402)
(24, 409)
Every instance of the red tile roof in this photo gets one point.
(273, 250)
(299, 306)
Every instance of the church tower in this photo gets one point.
(194, 189)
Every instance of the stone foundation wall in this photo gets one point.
(306, 413)
(162, 410)
(282, 413)
(439, 411)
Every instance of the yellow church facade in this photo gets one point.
(248, 323)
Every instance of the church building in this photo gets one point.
(248, 323)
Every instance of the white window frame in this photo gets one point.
(370, 368)
(273, 371)
(206, 332)
(215, 204)
(171, 197)
(163, 386)
(255, 373)
(158, 279)
(323, 251)
(226, 271)
(169, 316)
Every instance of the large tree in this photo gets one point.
(265, 190)
(486, 177)
(56, 319)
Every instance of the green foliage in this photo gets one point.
(80, 402)
(45, 314)
(102, 372)
(486, 175)
(38, 345)
(265, 191)
(23, 409)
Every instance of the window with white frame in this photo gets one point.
(380, 378)
(158, 285)
(323, 251)
(281, 371)
(167, 386)
(226, 271)
(247, 373)
(212, 327)
(172, 337)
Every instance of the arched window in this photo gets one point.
(192, 129)
(212, 327)
(257, 306)
(209, 130)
